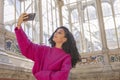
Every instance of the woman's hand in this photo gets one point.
(21, 19)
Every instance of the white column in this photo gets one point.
(69, 17)
(40, 20)
(1, 13)
(2, 31)
(60, 4)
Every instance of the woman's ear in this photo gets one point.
(65, 39)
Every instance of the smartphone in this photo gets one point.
(31, 17)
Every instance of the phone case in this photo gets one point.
(31, 17)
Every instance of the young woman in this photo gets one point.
(50, 63)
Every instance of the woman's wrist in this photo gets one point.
(18, 26)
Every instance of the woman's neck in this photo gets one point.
(58, 46)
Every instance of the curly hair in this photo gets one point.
(69, 46)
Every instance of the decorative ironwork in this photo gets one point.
(11, 46)
(115, 58)
(93, 59)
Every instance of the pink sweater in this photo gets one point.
(49, 63)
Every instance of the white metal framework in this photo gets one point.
(94, 23)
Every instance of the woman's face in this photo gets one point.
(59, 36)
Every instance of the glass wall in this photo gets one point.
(84, 22)
(111, 13)
(80, 16)
(13, 9)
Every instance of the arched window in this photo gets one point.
(74, 16)
(111, 24)
(106, 8)
(117, 7)
(92, 39)
(9, 13)
(117, 17)
(89, 13)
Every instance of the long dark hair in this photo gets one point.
(69, 46)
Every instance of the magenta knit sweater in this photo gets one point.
(49, 63)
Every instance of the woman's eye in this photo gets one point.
(59, 32)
